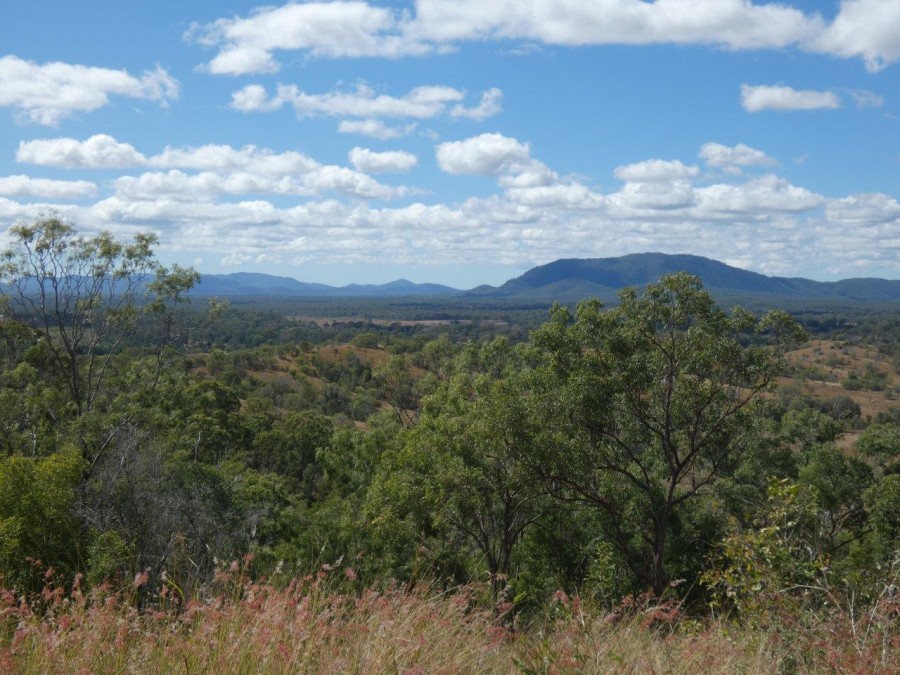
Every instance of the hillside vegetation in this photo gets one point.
(662, 485)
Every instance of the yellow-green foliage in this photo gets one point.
(37, 520)
(757, 568)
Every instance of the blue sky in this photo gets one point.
(460, 142)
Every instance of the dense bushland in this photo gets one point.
(471, 485)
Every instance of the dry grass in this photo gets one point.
(310, 626)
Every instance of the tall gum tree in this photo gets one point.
(84, 296)
(647, 404)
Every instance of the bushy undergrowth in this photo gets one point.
(327, 624)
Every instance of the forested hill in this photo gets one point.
(578, 278)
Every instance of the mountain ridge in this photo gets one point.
(612, 274)
(573, 279)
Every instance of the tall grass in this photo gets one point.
(316, 625)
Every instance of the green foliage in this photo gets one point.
(38, 526)
(650, 403)
(883, 504)
(756, 570)
(289, 448)
(610, 453)
(460, 471)
(85, 295)
(110, 558)
(880, 444)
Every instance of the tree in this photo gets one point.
(398, 387)
(459, 472)
(646, 405)
(85, 296)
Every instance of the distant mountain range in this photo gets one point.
(253, 284)
(574, 279)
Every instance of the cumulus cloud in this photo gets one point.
(375, 129)
(767, 194)
(212, 200)
(325, 29)
(180, 186)
(484, 155)
(735, 24)
(652, 185)
(655, 170)
(488, 107)
(866, 29)
(419, 103)
(26, 186)
(249, 158)
(867, 209)
(368, 161)
(221, 170)
(779, 97)
(248, 170)
(97, 152)
(48, 93)
(732, 158)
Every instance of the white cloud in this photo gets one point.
(864, 28)
(568, 196)
(222, 170)
(247, 170)
(236, 259)
(865, 210)
(488, 107)
(48, 93)
(325, 29)
(866, 99)
(484, 155)
(97, 152)
(534, 216)
(867, 29)
(757, 98)
(655, 170)
(254, 98)
(206, 185)
(44, 187)
(249, 158)
(374, 129)
(652, 186)
(757, 197)
(727, 157)
(354, 29)
(368, 161)
(419, 103)
(736, 24)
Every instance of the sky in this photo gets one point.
(459, 142)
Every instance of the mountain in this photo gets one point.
(573, 279)
(256, 284)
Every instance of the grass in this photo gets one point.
(316, 625)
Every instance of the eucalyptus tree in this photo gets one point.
(648, 404)
(84, 297)
(459, 473)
